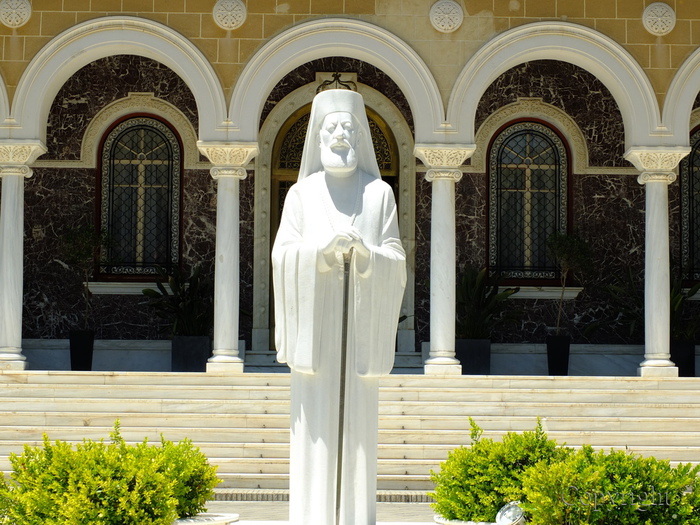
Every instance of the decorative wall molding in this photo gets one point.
(229, 14)
(131, 104)
(446, 16)
(535, 108)
(659, 18)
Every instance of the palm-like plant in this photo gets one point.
(479, 302)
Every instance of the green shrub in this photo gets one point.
(598, 488)
(101, 483)
(475, 482)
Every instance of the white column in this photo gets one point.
(13, 170)
(657, 166)
(230, 161)
(443, 163)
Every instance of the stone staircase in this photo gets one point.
(241, 422)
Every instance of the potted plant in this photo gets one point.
(189, 310)
(479, 303)
(80, 246)
(571, 254)
(683, 329)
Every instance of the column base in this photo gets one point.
(230, 367)
(657, 371)
(13, 365)
(442, 369)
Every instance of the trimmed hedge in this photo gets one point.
(100, 483)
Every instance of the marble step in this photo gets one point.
(396, 381)
(390, 397)
(281, 481)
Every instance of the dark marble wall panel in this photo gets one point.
(101, 82)
(572, 89)
(609, 213)
(247, 224)
(422, 296)
(366, 74)
(56, 198)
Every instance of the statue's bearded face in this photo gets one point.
(338, 141)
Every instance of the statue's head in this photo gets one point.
(338, 138)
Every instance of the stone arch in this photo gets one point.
(567, 42)
(680, 99)
(95, 39)
(336, 37)
(282, 111)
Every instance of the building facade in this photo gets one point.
(176, 127)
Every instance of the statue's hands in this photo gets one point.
(343, 241)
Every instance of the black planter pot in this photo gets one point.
(474, 355)
(190, 353)
(558, 348)
(81, 349)
(683, 356)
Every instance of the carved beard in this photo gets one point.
(339, 161)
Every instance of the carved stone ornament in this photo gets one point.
(443, 156)
(659, 18)
(443, 174)
(229, 155)
(666, 177)
(15, 13)
(229, 14)
(446, 16)
(222, 173)
(20, 154)
(656, 161)
(17, 170)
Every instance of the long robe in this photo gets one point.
(308, 334)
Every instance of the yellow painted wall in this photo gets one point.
(445, 54)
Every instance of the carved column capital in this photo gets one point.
(443, 174)
(229, 158)
(219, 172)
(16, 157)
(450, 156)
(666, 177)
(657, 164)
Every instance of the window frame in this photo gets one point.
(102, 193)
(564, 215)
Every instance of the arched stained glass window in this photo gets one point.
(528, 170)
(690, 209)
(140, 198)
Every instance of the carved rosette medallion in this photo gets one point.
(659, 18)
(15, 13)
(446, 16)
(229, 14)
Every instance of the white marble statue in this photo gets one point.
(338, 207)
